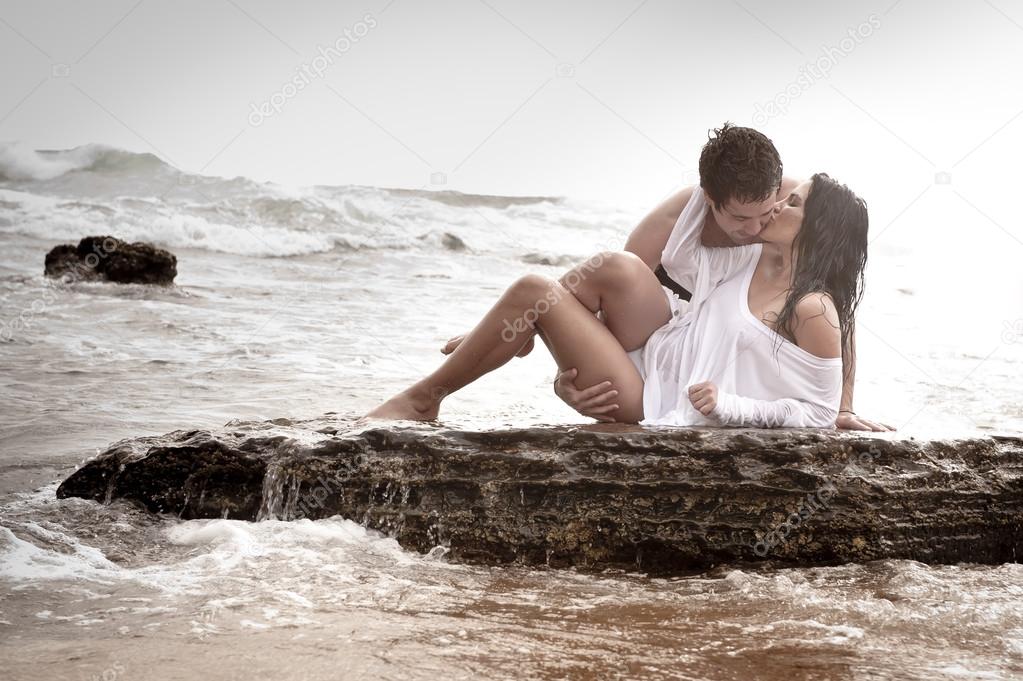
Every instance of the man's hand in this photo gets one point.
(848, 420)
(704, 397)
(596, 401)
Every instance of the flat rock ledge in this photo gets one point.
(660, 501)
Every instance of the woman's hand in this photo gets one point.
(848, 420)
(704, 397)
(596, 401)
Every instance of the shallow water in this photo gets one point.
(293, 303)
(95, 588)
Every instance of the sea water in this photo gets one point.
(293, 302)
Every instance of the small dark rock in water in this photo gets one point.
(110, 259)
(602, 496)
(551, 260)
(452, 242)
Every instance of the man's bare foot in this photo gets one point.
(404, 406)
(450, 346)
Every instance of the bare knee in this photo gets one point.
(620, 265)
(605, 268)
(531, 288)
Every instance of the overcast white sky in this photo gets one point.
(610, 100)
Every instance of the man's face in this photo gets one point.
(742, 222)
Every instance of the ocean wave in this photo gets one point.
(19, 162)
(23, 560)
(69, 223)
(460, 200)
(51, 219)
(259, 557)
(96, 189)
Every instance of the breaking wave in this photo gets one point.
(95, 189)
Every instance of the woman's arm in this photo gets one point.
(848, 419)
(849, 374)
(729, 409)
(817, 330)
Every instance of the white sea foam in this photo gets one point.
(24, 561)
(827, 633)
(65, 195)
(219, 547)
(20, 162)
(51, 218)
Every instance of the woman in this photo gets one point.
(760, 343)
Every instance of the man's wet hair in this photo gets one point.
(739, 163)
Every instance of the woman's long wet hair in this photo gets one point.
(830, 253)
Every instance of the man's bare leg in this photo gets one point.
(533, 303)
(627, 294)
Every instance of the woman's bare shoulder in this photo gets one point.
(816, 325)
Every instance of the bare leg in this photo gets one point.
(527, 346)
(622, 288)
(626, 291)
(533, 303)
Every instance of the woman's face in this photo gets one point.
(784, 224)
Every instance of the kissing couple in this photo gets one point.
(733, 304)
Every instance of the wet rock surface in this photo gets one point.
(110, 259)
(603, 496)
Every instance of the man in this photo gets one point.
(741, 174)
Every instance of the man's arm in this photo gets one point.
(648, 239)
(650, 236)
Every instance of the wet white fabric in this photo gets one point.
(763, 379)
